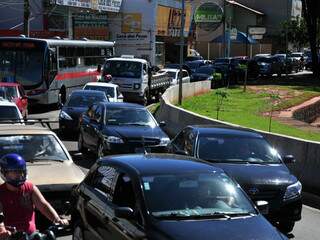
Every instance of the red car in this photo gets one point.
(14, 92)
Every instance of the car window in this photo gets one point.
(104, 179)
(21, 91)
(194, 194)
(9, 113)
(234, 148)
(40, 147)
(91, 110)
(84, 100)
(9, 92)
(124, 196)
(185, 141)
(98, 114)
(185, 74)
(109, 91)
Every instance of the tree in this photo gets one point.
(297, 32)
(311, 13)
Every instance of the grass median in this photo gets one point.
(253, 107)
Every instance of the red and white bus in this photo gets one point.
(49, 69)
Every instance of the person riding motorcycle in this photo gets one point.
(19, 198)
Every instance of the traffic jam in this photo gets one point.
(207, 182)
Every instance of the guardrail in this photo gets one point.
(307, 153)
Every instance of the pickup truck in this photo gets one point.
(135, 79)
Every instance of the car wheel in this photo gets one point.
(77, 231)
(286, 226)
(100, 151)
(80, 144)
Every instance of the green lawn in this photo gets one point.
(246, 108)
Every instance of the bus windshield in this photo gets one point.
(21, 65)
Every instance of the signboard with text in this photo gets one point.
(257, 30)
(101, 5)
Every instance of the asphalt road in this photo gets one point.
(306, 229)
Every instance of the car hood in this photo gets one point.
(135, 131)
(253, 228)
(258, 174)
(54, 175)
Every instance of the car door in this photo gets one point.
(185, 77)
(124, 195)
(95, 125)
(85, 125)
(95, 192)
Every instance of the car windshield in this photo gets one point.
(194, 195)
(109, 91)
(33, 147)
(9, 113)
(265, 60)
(236, 149)
(129, 116)
(84, 100)
(126, 69)
(8, 92)
(205, 70)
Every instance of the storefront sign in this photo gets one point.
(131, 36)
(208, 16)
(131, 23)
(102, 5)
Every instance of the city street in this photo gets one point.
(306, 229)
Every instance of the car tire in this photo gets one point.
(100, 150)
(77, 233)
(286, 226)
(81, 148)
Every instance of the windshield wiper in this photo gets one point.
(137, 124)
(45, 158)
(180, 216)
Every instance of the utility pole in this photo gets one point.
(26, 15)
(224, 28)
(181, 50)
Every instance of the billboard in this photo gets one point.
(169, 21)
(131, 23)
(208, 17)
(101, 5)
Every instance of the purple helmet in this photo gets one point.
(13, 162)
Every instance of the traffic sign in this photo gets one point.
(257, 30)
(233, 33)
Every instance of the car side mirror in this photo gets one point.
(263, 207)
(124, 212)
(289, 159)
(162, 123)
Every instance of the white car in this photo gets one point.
(9, 111)
(173, 73)
(111, 90)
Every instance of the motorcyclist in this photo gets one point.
(19, 198)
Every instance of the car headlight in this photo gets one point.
(164, 141)
(64, 115)
(136, 86)
(293, 191)
(113, 139)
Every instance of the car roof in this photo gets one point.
(149, 164)
(101, 84)
(139, 60)
(122, 105)
(171, 70)
(80, 92)
(9, 84)
(225, 130)
(8, 129)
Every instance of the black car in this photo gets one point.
(163, 197)
(194, 65)
(77, 103)
(110, 128)
(256, 166)
(203, 73)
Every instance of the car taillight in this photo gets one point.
(36, 92)
(107, 77)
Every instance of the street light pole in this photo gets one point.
(181, 50)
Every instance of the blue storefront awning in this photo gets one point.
(241, 38)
